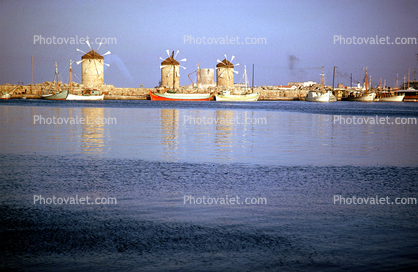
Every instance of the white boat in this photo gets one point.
(391, 97)
(227, 96)
(89, 95)
(363, 97)
(366, 97)
(180, 97)
(5, 96)
(315, 96)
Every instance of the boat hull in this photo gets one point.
(364, 98)
(5, 96)
(59, 96)
(398, 98)
(318, 97)
(180, 97)
(244, 98)
(85, 97)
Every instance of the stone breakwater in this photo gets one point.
(113, 93)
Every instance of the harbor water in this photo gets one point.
(208, 186)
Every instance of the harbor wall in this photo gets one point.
(113, 93)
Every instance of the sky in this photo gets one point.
(286, 41)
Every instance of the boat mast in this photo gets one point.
(198, 76)
(253, 78)
(174, 71)
(56, 73)
(174, 77)
(409, 73)
(69, 79)
(245, 77)
(31, 73)
(365, 83)
(333, 77)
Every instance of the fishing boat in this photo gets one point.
(5, 96)
(55, 95)
(86, 95)
(391, 96)
(322, 96)
(180, 97)
(317, 96)
(227, 96)
(363, 97)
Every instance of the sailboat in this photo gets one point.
(52, 95)
(227, 96)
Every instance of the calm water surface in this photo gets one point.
(151, 155)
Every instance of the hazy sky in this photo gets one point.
(296, 38)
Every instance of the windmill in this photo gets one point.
(92, 67)
(170, 70)
(225, 72)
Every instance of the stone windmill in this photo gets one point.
(92, 64)
(170, 70)
(225, 72)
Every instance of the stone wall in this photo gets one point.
(111, 92)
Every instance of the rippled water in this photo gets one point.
(151, 159)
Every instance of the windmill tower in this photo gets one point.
(225, 72)
(170, 73)
(92, 64)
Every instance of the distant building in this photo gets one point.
(302, 84)
(287, 87)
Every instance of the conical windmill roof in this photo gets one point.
(92, 55)
(225, 64)
(170, 61)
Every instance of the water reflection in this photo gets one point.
(286, 138)
(224, 134)
(92, 135)
(169, 131)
